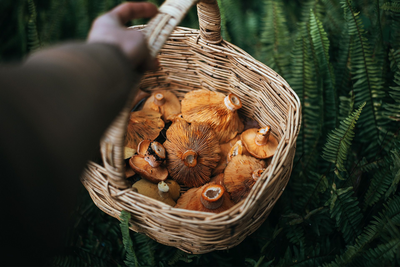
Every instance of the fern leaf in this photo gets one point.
(339, 141)
(391, 111)
(366, 76)
(275, 37)
(321, 47)
(131, 259)
(33, 36)
(391, 6)
(344, 209)
(383, 252)
(354, 253)
(395, 173)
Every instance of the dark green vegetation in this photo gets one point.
(342, 204)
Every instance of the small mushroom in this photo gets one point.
(210, 198)
(238, 175)
(143, 124)
(167, 192)
(148, 161)
(193, 152)
(165, 102)
(260, 143)
(215, 109)
(237, 149)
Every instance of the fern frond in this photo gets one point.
(391, 6)
(391, 111)
(275, 37)
(395, 173)
(354, 253)
(346, 106)
(131, 259)
(366, 76)
(380, 183)
(321, 47)
(344, 208)
(33, 36)
(383, 252)
(339, 141)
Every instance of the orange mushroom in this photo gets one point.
(238, 175)
(165, 102)
(225, 148)
(193, 152)
(148, 161)
(215, 109)
(143, 124)
(167, 192)
(210, 198)
(259, 142)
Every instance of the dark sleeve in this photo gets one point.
(53, 110)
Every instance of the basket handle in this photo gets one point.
(171, 13)
(157, 32)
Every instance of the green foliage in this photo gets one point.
(275, 37)
(336, 55)
(337, 147)
(131, 259)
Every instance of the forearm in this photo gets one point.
(53, 111)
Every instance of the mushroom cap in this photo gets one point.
(261, 151)
(191, 200)
(225, 148)
(143, 124)
(193, 152)
(164, 102)
(209, 107)
(218, 179)
(151, 190)
(238, 175)
(142, 167)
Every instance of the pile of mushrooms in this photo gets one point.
(197, 153)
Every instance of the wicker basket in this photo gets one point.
(193, 59)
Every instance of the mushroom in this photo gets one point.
(215, 109)
(259, 142)
(225, 148)
(210, 198)
(165, 102)
(148, 161)
(140, 95)
(218, 179)
(238, 175)
(193, 152)
(167, 192)
(143, 124)
(237, 149)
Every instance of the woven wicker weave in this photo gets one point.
(193, 59)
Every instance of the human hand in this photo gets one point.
(109, 28)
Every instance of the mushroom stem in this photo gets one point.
(257, 174)
(190, 158)
(262, 136)
(232, 102)
(163, 189)
(211, 197)
(159, 99)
